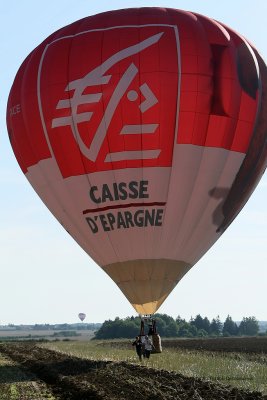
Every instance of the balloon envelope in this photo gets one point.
(143, 131)
(82, 316)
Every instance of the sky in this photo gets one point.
(45, 277)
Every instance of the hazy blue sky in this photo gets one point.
(45, 277)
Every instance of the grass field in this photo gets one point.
(242, 370)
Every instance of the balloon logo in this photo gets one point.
(144, 132)
(82, 316)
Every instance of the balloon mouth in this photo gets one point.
(148, 308)
(147, 283)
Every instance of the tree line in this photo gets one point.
(47, 327)
(169, 327)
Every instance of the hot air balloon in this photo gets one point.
(144, 132)
(82, 316)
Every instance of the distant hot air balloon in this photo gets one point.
(82, 316)
(144, 132)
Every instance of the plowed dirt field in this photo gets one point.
(61, 377)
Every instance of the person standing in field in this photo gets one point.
(148, 346)
(138, 347)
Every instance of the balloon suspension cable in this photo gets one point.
(147, 319)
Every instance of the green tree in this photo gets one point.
(201, 323)
(179, 320)
(202, 333)
(215, 326)
(197, 321)
(166, 325)
(206, 325)
(166, 318)
(118, 328)
(171, 329)
(249, 326)
(185, 329)
(229, 327)
(161, 326)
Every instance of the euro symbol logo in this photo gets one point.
(99, 76)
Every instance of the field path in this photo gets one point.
(72, 378)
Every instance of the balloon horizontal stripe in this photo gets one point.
(92, 210)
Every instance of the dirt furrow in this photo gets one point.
(16, 383)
